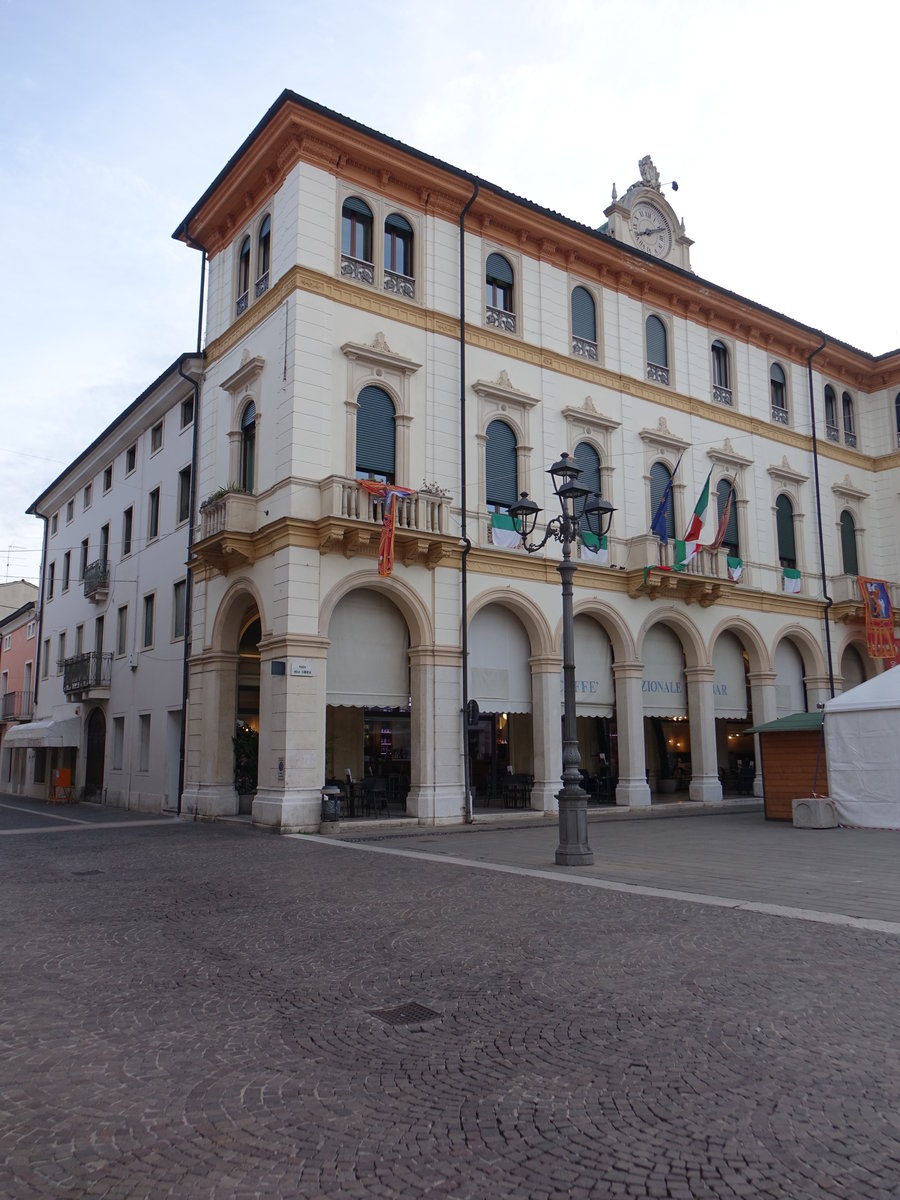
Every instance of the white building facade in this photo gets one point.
(108, 718)
(334, 359)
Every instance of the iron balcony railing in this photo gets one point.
(96, 578)
(16, 706)
(85, 671)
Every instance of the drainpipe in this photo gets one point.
(40, 636)
(466, 544)
(815, 446)
(188, 587)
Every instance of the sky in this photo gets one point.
(115, 116)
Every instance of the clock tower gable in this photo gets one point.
(644, 218)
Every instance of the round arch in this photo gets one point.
(806, 644)
(534, 621)
(231, 614)
(757, 652)
(408, 601)
(612, 624)
(687, 632)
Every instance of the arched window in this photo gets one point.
(375, 453)
(248, 448)
(500, 467)
(848, 544)
(660, 478)
(831, 425)
(498, 279)
(263, 250)
(727, 505)
(356, 230)
(778, 391)
(720, 365)
(587, 458)
(784, 523)
(243, 287)
(657, 350)
(584, 323)
(398, 247)
(847, 413)
(897, 416)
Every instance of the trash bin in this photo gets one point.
(331, 803)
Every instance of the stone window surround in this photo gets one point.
(789, 482)
(243, 385)
(378, 365)
(500, 400)
(381, 209)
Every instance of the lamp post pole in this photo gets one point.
(581, 511)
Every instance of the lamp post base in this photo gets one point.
(573, 849)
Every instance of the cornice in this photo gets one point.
(381, 304)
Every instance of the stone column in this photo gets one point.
(437, 791)
(818, 690)
(764, 700)
(546, 716)
(632, 789)
(705, 782)
(291, 732)
(209, 767)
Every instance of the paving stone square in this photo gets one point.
(201, 1010)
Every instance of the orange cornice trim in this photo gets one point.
(296, 134)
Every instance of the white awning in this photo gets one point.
(35, 734)
(595, 693)
(663, 686)
(499, 671)
(729, 681)
(368, 659)
(790, 694)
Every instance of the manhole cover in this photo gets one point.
(87, 873)
(406, 1014)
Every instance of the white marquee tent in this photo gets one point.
(862, 748)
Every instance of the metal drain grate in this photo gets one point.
(405, 1014)
(78, 873)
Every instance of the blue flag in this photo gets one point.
(659, 525)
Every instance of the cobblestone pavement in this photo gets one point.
(194, 1011)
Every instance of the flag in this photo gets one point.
(792, 579)
(735, 568)
(659, 525)
(594, 549)
(387, 492)
(504, 532)
(723, 522)
(699, 515)
(879, 619)
(684, 552)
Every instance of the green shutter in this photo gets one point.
(375, 433)
(657, 351)
(500, 465)
(848, 544)
(584, 315)
(784, 520)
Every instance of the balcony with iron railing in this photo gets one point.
(722, 395)
(400, 285)
(96, 580)
(499, 318)
(584, 348)
(657, 373)
(357, 268)
(87, 674)
(16, 706)
(779, 414)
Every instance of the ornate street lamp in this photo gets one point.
(582, 511)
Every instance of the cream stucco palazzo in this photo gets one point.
(338, 262)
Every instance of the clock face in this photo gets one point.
(650, 230)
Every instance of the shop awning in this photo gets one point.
(36, 734)
(368, 659)
(595, 693)
(663, 687)
(729, 681)
(499, 670)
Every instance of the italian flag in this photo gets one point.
(792, 579)
(735, 568)
(686, 549)
(696, 525)
(504, 532)
(594, 549)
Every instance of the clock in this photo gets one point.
(651, 230)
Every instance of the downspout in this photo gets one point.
(815, 447)
(188, 588)
(466, 544)
(40, 636)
